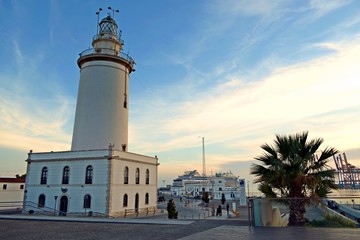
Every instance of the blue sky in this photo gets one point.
(234, 72)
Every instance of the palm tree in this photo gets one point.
(290, 169)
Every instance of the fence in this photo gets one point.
(281, 212)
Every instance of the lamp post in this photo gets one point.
(97, 25)
(55, 205)
(113, 10)
(212, 196)
(248, 188)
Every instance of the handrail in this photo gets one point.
(107, 51)
(58, 212)
(42, 209)
(140, 210)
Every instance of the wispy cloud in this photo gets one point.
(33, 116)
(323, 7)
(248, 7)
(246, 114)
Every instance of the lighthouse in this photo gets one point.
(98, 176)
(102, 105)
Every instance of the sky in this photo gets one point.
(234, 72)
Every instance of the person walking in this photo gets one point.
(227, 209)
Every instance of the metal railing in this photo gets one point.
(34, 208)
(138, 211)
(107, 51)
(108, 35)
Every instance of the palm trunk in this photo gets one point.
(297, 212)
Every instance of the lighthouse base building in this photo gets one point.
(98, 176)
(105, 182)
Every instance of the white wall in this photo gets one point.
(107, 189)
(76, 189)
(100, 116)
(12, 193)
(119, 189)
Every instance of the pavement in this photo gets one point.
(18, 226)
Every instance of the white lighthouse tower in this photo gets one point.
(102, 105)
(99, 176)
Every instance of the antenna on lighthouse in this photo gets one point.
(113, 11)
(97, 24)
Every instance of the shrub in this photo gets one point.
(171, 208)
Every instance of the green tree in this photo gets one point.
(223, 199)
(205, 197)
(290, 169)
(171, 209)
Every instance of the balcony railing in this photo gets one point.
(107, 51)
(108, 35)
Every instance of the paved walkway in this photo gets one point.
(158, 227)
(99, 220)
(294, 233)
(50, 227)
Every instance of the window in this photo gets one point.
(22, 186)
(220, 189)
(126, 175)
(41, 202)
(65, 179)
(125, 97)
(87, 201)
(147, 176)
(125, 202)
(137, 176)
(146, 198)
(44, 174)
(89, 175)
(4, 186)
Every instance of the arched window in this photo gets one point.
(146, 198)
(147, 176)
(87, 201)
(126, 175)
(65, 178)
(137, 176)
(41, 202)
(125, 202)
(89, 175)
(44, 174)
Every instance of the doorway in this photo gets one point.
(63, 206)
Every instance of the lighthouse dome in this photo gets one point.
(108, 25)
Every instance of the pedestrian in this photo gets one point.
(219, 208)
(227, 209)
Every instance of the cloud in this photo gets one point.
(27, 123)
(33, 116)
(323, 7)
(243, 115)
(248, 7)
